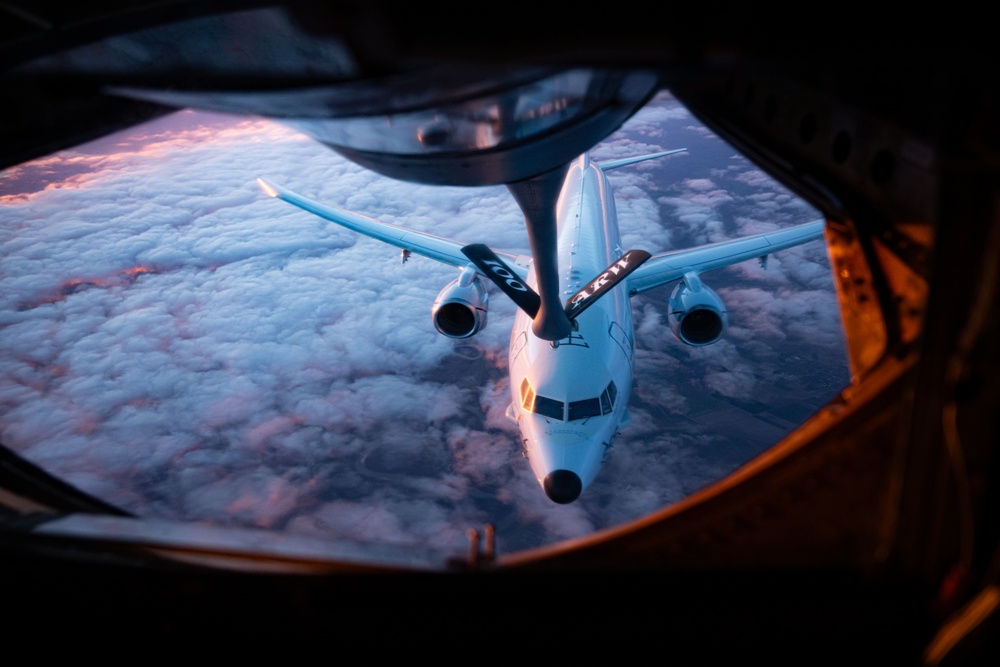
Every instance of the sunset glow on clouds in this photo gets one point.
(179, 344)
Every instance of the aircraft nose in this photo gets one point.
(562, 486)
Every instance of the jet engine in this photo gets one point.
(697, 315)
(460, 308)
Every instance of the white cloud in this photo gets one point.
(176, 342)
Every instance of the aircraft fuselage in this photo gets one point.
(569, 396)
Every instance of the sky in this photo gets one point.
(180, 345)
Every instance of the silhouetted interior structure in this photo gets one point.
(869, 532)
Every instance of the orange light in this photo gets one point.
(267, 187)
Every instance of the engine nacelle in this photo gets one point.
(697, 315)
(460, 308)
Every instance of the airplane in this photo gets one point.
(570, 389)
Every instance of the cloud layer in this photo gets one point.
(178, 344)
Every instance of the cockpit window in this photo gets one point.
(590, 407)
(553, 409)
(548, 407)
(606, 403)
(593, 407)
(527, 395)
(608, 398)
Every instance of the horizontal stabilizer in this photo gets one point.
(614, 164)
(504, 277)
(605, 281)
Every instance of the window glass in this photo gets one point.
(590, 407)
(527, 401)
(548, 407)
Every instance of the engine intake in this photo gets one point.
(461, 307)
(697, 315)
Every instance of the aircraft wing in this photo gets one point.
(668, 266)
(421, 243)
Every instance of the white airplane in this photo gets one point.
(569, 392)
